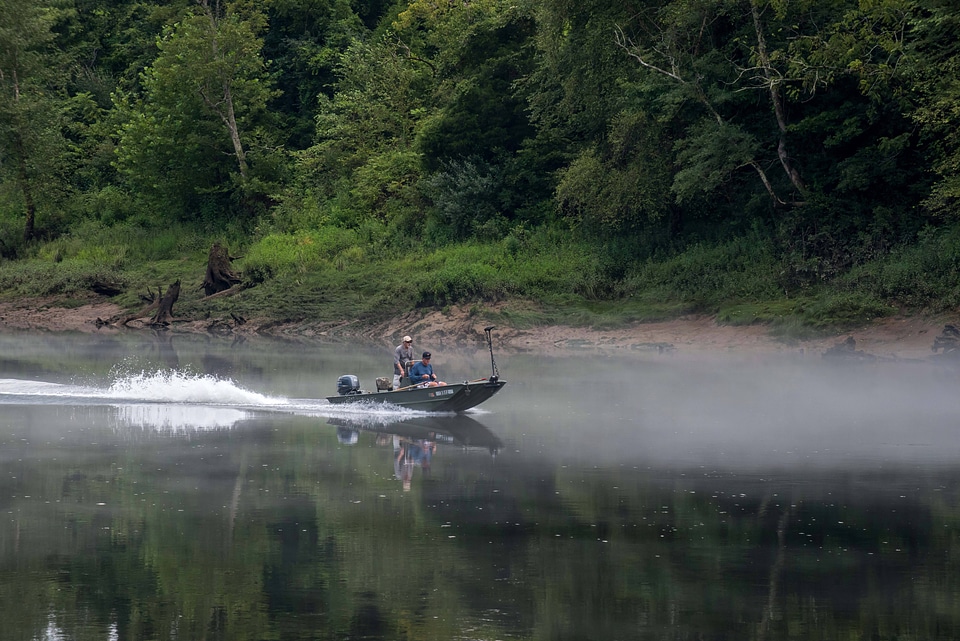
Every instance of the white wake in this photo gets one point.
(178, 401)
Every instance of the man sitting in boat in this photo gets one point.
(421, 373)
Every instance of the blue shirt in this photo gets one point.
(421, 373)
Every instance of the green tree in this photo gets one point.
(786, 115)
(363, 155)
(303, 45)
(933, 65)
(480, 114)
(32, 100)
(204, 101)
(576, 88)
(479, 130)
(612, 152)
(620, 185)
(686, 43)
(851, 74)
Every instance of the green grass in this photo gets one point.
(47, 278)
(531, 279)
(923, 275)
(760, 312)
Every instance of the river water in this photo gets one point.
(187, 487)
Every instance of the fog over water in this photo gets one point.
(736, 412)
(596, 496)
(722, 409)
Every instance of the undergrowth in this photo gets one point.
(532, 278)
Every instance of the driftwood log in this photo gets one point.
(165, 307)
(948, 341)
(847, 351)
(220, 275)
(160, 305)
(220, 280)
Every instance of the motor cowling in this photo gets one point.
(348, 384)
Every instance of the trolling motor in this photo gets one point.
(495, 373)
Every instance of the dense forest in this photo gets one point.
(750, 158)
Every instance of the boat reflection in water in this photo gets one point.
(415, 440)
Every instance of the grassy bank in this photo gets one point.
(538, 277)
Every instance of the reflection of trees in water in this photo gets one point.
(716, 556)
(217, 365)
(264, 531)
(166, 353)
(210, 363)
(772, 612)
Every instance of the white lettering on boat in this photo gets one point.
(445, 392)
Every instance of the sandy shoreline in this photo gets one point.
(893, 338)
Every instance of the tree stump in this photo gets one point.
(220, 275)
(948, 340)
(165, 309)
(847, 351)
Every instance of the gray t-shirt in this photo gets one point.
(401, 355)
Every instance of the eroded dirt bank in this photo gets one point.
(897, 337)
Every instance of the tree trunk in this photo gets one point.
(220, 275)
(230, 120)
(29, 225)
(165, 310)
(692, 80)
(227, 114)
(23, 177)
(777, 100)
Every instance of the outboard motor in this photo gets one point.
(347, 385)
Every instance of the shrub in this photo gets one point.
(466, 195)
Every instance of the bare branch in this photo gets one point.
(633, 51)
(776, 99)
(410, 56)
(763, 76)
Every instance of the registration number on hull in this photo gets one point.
(445, 392)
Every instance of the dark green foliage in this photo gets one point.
(467, 199)
(484, 117)
(619, 185)
(198, 136)
(709, 155)
(303, 45)
(934, 68)
(664, 154)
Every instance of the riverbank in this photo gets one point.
(889, 338)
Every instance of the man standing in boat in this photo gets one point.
(401, 360)
(422, 373)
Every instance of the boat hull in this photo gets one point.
(454, 397)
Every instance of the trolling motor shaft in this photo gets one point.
(494, 372)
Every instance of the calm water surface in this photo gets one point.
(158, 487)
